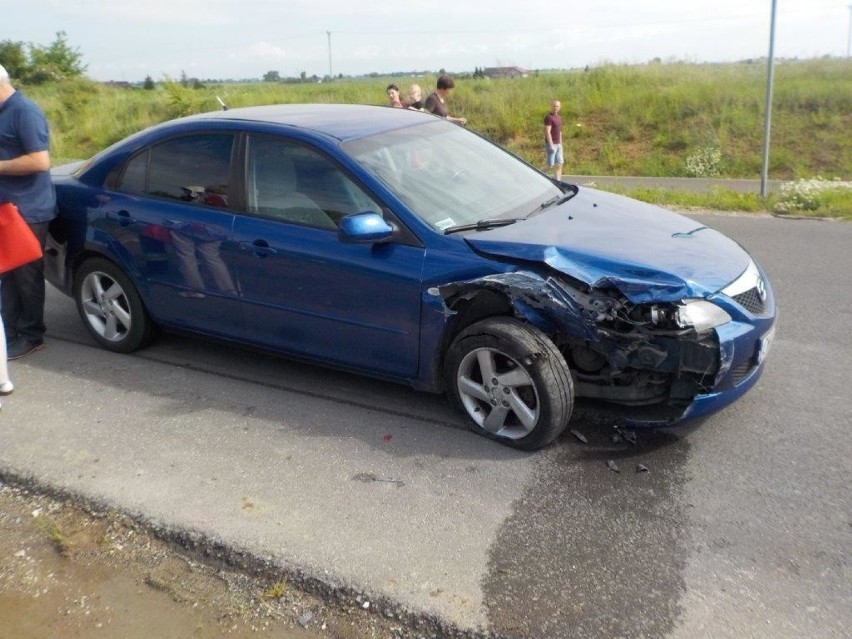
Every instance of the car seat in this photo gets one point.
(275, 193)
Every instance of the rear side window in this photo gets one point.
(194, 169)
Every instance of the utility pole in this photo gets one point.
(330, 76)
(764, 173)
(849, 37)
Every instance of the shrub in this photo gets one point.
(809, 195)
(705, 162)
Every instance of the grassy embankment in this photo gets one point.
(658, 120)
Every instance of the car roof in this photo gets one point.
(341, 121)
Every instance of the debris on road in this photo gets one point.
(370, 477)
(580, 436)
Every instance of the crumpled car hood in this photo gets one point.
(606, 240)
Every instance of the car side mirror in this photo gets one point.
(363, 228)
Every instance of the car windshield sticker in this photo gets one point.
(444, 224)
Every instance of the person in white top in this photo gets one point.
(6, 385)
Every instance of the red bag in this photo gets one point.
(18, 244)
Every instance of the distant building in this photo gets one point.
(118, 84)
(505, 72)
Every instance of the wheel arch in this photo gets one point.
(526, 295)
(464, 310)
(121, 260)
(138, 337)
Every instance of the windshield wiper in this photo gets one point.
(481, 225)
(556, 200)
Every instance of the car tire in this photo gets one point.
(531, 403)
(111, 307)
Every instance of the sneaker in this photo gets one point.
(6, 388)
(23, 347)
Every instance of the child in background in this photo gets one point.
(415, 97)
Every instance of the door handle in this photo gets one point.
(259, 248)
(122, 217)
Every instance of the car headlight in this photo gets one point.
(701, 315)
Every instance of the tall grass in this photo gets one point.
(644, 120)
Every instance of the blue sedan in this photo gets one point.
(398, 245)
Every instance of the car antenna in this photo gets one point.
(220, 101)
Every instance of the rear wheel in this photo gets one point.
(512, 382)
(110, 307)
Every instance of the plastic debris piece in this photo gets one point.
(642, 468)
(387, 438)
(389, 480)
(612, 466)
(370, 477)
(580, 436)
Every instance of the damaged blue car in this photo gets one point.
(395, 244)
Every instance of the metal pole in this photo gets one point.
(329, 55)
(768, 116)
(849, 37)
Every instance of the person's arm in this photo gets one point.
(26, 164)
(461, 121)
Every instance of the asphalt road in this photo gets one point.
(739, 529)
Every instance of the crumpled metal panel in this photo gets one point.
(541, 301)
(647, 253)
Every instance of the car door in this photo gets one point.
(172, 213)
(306, 293)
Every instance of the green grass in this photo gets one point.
(656, 120)
(835, 204)
(54, 534)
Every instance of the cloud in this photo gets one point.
(261, 51)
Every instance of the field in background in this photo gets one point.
(661, 120)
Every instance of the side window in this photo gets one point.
(293, 183)
(194, 169)
(135, 175)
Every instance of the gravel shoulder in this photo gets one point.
(66, 570)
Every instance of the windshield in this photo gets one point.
(449, 176)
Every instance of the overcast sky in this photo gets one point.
(221, 39)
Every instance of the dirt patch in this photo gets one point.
(67, 571)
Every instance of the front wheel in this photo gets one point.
(110, 307)
(512, 381)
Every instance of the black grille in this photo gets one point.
(740, 372)
(750, 301)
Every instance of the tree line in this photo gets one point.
(31, 63)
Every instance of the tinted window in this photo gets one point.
(193, 169)
(294, 183)
(135, 174)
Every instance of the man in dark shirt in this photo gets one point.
(436, 102)
(553, 139)
(25, 181)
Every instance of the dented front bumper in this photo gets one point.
(665, 377)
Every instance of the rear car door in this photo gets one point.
(172, 213)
